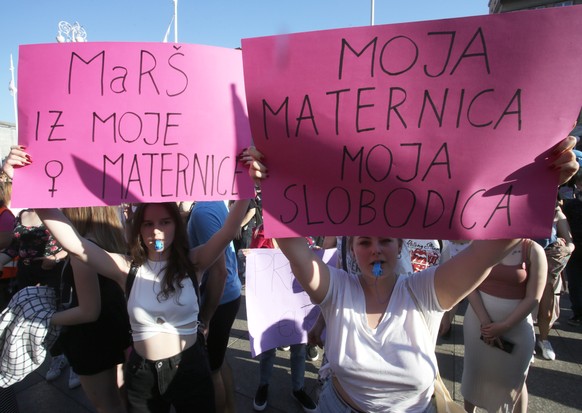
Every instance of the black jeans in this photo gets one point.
(183, 381)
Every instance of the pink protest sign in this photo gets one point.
(107, 123)
(279, 311)
(435, 129)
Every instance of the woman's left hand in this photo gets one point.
(563, 159)
(493, 330)
(252, 158)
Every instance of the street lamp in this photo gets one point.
(174, 22)
(71, 32)
(13, 91)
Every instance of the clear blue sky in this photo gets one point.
(211, 22)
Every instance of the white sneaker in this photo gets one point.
(547, 350)
(57, 365)
(73, 380)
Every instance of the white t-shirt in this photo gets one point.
(392, 367)
(150, 314)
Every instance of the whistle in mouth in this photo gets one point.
(159, 245)
(377, 270)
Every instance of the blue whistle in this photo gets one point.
(377, 270)
(159, 245)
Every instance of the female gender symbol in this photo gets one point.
(54, 173)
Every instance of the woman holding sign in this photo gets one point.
(169, 364)
(98, 331)
(382, 327)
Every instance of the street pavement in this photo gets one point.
(554, 386)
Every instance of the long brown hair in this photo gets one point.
(179, 264)
(102, 224)
(5, 193)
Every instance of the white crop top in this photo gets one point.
(149, 315)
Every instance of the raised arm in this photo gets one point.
(311, 272)
(460, 275)
(204, 255)
(114, 266)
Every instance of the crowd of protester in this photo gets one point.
(146, 296)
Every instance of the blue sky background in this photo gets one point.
(211, 22)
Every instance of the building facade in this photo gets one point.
(502, 6)
(7, 138)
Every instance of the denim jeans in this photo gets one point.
(183, 381)
(297, 366)
(331, 402)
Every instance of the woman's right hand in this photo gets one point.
(17, 158)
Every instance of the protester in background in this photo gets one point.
(220, 295)
(245, 234)
(267, 359)
(7, 221)
(424, 253)
(558, 249)
(368, 375)
(498, 331)
(40, 262)
(98, 330)
(169, 364)
(7, 398)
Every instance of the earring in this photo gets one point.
(399, 256)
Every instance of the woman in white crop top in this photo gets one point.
(168, 365)
(381, 326)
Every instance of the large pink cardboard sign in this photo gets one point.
(436, 129)
(107, 123)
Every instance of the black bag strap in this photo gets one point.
(344, 253)
(65, 298)
(131, 278)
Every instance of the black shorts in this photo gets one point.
(92, 348)
(219, 332)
